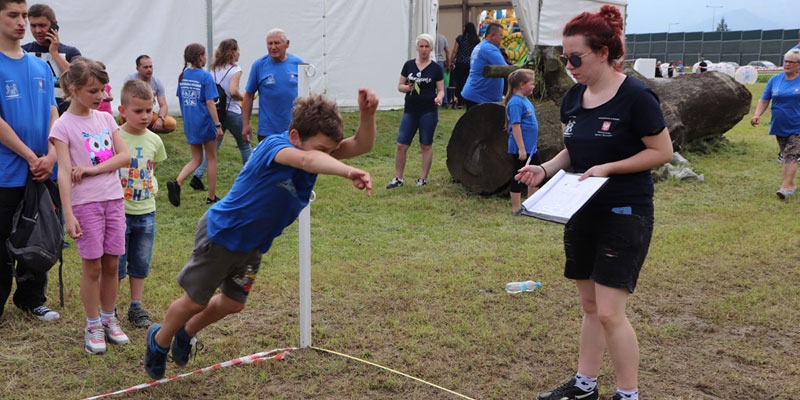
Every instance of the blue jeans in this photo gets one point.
(233, 123)
(425, 122)
(140, 233)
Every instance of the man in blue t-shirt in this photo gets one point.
(27, 110)
(48, 46)
(478, 88)
(274, 78)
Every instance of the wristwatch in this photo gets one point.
(218, 125)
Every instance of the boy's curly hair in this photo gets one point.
(315, 114)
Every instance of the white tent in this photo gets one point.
(351, 43)
(541, 21)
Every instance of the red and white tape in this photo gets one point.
(276, 354)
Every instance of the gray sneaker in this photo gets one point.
(139, 317)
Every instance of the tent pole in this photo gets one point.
(209, 31)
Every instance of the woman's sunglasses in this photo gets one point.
(573, 59)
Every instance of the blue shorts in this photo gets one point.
(607, 247)
(140, 233)
(425, 123)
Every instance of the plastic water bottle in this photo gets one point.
(519, 287)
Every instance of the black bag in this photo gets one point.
(37, 233)
(221, 102)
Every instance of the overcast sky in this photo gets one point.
(650, 16)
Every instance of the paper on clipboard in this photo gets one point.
(562, 196)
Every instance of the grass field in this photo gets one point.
(411, 279)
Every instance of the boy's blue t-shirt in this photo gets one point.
(519, 110)
(197, 87)
(25, 104)
(265, 198)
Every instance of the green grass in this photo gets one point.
(412, 279)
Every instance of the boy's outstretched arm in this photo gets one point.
(318, 162)
(364, 139)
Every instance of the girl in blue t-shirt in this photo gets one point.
(196, 94)
(523, 129)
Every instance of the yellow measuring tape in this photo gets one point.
(392, 371)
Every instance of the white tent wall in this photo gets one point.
(351, 43)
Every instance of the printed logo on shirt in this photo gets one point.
(605, 127)
(568, 127)
(137, 177)
(417, 77)
(190, 92)
(12, 91)
(99, 146)
(269, 80)
(289, 186)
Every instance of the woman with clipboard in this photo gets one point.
(613, 127)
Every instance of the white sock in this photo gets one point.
(106, 316)
(629, 394)
(92, 321)
(586, 383)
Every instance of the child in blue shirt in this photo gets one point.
(523, 129)
(231, 238)
(196, 93)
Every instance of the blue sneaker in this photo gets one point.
(155, 357)
(182, 347)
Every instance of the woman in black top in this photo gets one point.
(462, 51)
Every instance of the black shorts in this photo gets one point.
(607, 247)
(516, 186)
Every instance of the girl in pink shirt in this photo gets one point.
(90, 152)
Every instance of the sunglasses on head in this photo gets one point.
(575, 60)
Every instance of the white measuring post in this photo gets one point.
(304, 240)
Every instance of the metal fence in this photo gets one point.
(733, 46)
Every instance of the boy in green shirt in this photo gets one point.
(140, 186)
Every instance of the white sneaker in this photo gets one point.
(95, 340)
(114, 333)
(44, 313)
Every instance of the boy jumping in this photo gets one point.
(231, 238)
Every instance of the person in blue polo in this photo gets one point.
(478, 88)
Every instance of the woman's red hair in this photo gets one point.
(601, 29)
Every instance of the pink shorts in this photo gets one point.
(103, 227)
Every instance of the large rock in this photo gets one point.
(700, 106)
(695, 106)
